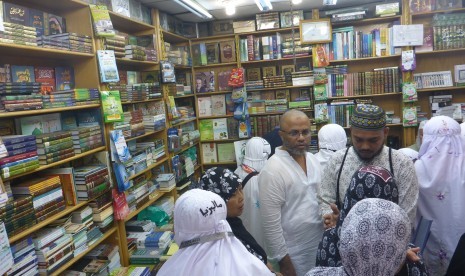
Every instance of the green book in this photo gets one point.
(112, 108)
(206, 129)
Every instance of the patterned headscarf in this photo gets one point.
(374, 239)
(368, 116)
(221, 181)
(367, 182)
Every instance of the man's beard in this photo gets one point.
(371, 158)
(295, 151)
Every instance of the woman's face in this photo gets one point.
(235, 205)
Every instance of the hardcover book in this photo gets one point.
(220, 129)
(64, 77)
(269, 71)
(46, 76)
(205, 106)
(212, 53)
(226, 152)
(101, 21)
(206, 129)
(218, 105)
(253, 74)
(223, 79)
(36, 19)
(21, 73)
(209, 153)
(15, 14)
(204, 82)
(54, 24)
(228, 51)
(111, 105)
(107, 66)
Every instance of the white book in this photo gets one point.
(220, 129)
(209, 153)
(205, 106)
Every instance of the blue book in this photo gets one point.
(15, 139)
(20, 145)
(22, 150)
(22, 73)
(422, 232)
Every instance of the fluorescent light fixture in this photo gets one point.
(296, 2)
(230, 9)
(195, 8)
(264, 5)
(329, 2)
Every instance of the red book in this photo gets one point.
(46, 76)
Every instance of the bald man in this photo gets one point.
(288, 198)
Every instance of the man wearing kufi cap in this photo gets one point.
(368, 133)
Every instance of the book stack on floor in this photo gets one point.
(86, 96)
(47, 196)
(25, 258)
(102, 212)
(18, 215)
(67, 41)
(135, 52)
(53, 248)
(20, 96)
(84, 216)
(22, 155)
(132, 271)
(116, 43)
(18, 34)
(79, 234)
(53, 147)
(107, 253)
(91, 181)
(86, 138)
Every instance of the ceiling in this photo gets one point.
(244, 8)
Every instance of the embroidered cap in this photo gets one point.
(368, 116)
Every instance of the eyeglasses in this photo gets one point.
(296, 133)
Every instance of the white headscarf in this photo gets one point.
(331, 138)
(257, 151)
(462, 126)
(441, 177)
(418, 140)
(413, 154)
(197, 214)
(374, 239)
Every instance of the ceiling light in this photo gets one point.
(230, 9)
(329, 2)
(264, 5)
(195, 8)
(296, 2)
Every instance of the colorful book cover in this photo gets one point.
(228, 51)
(5, 72)
(410, 117)
(218, 105)
(428, 39)
(204, 82)
(321, 113)
(121, 7)
(54, 24)
(150, 76)
(220, 129)
(229, 104)
(212, 53)
(112, 108)
(64, 77)
(226, 152)
(133, 77)
(206, 129)
(223, 79)
(409, 92)
(101, 21)
(107, 66)
(205, 106)
(46, 76)
(119, 148)
(36, 19)
(209, 153)
(35, 125)
(245, 128)
(320, 92)
(22, 73)
(15, 14)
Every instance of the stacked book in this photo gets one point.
(47, 196)
(154, 122)
(292, 46)
(85, 96)
(302, 78)
(140, 226)
(20, 96)
(25, 259)
(105, 252)
(86, 138)
(269, 20)
(139, 191)
(57, 99)
(102, 212)
(116, 43)
(22, 155)
(132, 271)
(152, 90)
(135, 120)
(91, 181)
(53, 147)
(139, 161)
(150, 247)
(18, 215)
(254, 84)
(67, 41)
(79, 234)
(151, 55)
(166, 204)
(53, 248)
(84, 216)
(135, 52)
(135, 93)
(166, 181)
(274, 81)
(125, 127)
(18, 34)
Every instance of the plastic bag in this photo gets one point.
(154, 214)
(236, 79)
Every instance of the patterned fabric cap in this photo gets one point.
(367, 116)
(221, 181)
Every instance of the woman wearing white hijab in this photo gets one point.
(418, 141)
(206, 243)
(441, 176)
(257, 151)
(374, 240)
(462, 126)
(331, 138)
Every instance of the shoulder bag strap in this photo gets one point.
(249, 176)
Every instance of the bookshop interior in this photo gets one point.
(120, 120)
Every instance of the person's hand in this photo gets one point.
(286, 267)
(330, 220)
(412, 254)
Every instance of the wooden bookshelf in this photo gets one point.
(39, 52)
(220, 164)
(184, 148)
(271, 31)
(184, 122)
(129, 25)
(223, 140)
(440, 89)
(200, 67)
(279, 88)
(440, 52)
(182, 67)
(184, 96)
(154, 197)
(388, 125)
(149, 133)
(62, 268)
(363, 59)
(364, 96)
(368, 21)
(144, 101)
(132, 62)
(206, 94)
(216, 117)
(154, 165)
(61, 162)
(431, 13)
(213, 37)
(46, 111)
(173, 38)
(274, 60)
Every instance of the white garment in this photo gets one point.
(289, 209)
(331, 138)
(257, 151)
(404, 174)
(413, 154)
(199, 213)
(462, 126)
(441, 176)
